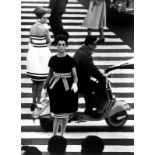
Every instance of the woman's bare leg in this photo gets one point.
(89, 31)
(34, 91)
(64, 124)
(56, 126)
(39, 89)
(101, 31)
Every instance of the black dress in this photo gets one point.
(62, 98)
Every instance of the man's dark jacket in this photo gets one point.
(86, 68)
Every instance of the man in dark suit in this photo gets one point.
(57, 10)
(85, 70)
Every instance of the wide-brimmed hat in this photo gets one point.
(40, 11)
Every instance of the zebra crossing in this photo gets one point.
(117, 142)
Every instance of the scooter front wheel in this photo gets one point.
(117, 120)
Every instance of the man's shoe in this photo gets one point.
(89, 112)
(73, 117)
(92, 113)
(96, 115)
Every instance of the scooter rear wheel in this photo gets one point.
(117, 120)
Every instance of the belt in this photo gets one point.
(63, 76)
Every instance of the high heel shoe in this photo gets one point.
(33, 106)
(101, 41)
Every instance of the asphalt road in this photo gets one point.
(122, 25)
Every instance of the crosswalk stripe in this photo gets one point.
(125, 80)
(73, 33)
(77, 148)
(26, 4)
(81, 100)
(64, 15)
(95, 62)
(67, 10)
(110, 135)
(98, 47)
(127, 71)
(96, 54)
(110, 142)
(82, 40)
(27, 111)
(115, 90)
(23, 71)
(63, 21)
(71, 27)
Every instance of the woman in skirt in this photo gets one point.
(38, 54)
(61, 86)
(95, 17)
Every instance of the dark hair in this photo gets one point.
(90, 40)
(92, 145)
(57, 145)
(65, 33)
(61, 37)
(31, 150)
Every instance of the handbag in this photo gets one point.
(42, 109)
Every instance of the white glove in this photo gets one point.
(43, 93)
(74, 87)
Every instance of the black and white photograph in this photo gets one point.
(77, 77)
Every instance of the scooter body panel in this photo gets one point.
(119, 106)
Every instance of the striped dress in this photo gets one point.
(37, 58)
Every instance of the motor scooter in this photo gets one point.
(115, 111)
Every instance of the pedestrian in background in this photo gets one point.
(92, 145)
(61, 86)
(38, 54)
(95, 18)
(57, 145)
(57, 10)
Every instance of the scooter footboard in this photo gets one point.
(118, 107)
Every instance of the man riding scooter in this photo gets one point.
(92, 91)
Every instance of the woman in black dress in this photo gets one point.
(61, 86)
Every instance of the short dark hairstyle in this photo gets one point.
(92, 145)
(61, 37)
(31, 150)
(57, 145)
(90, 40)
(65, 33)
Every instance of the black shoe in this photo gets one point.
(73, 117)
(33, 106)
(101, 41)
(89, 112)
(92, 113)
(96, 115)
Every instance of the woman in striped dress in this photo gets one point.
(38, 54)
